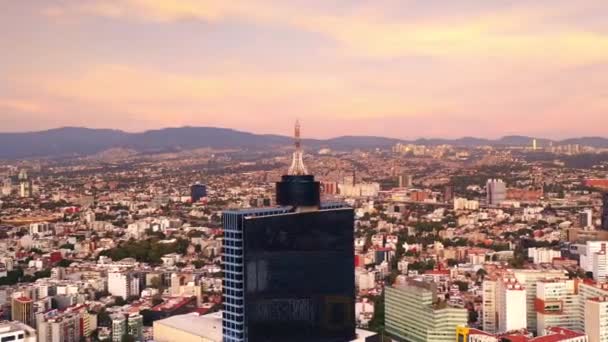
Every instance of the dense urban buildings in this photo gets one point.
(114, 246)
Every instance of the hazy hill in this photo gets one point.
(84, 141)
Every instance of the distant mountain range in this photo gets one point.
(77, 141)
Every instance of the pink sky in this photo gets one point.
(407, 69)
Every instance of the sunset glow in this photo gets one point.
(403, 69)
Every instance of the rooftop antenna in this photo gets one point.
(297, 167)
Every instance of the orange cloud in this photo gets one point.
(20, 105)
(517, 34)
(232, 89)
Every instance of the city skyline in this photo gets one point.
(403, 70)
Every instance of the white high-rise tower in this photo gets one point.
(297, 167)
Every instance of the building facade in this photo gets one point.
(596, 319)
(414, 314)
(17, 332)
(557, 305)
(496, 191)
(22, 310)
(198, 192)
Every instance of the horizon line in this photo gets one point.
(305, 138)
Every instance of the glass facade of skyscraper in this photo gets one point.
(289, 276)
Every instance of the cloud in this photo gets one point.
(20, 105)
(232, 90)
(525, 33)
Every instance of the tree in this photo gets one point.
(452, 262)
(157, 299)
(104, 319)
(64, 263)
(155, 282)
(36, 251)
(118, 300)
(463, 286)
(128, 338)
(101, 294)
(377, 322)
(132, 298)
(67, 246)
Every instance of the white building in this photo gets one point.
(591, 247)
(123, 284)
(17, 332)
(119, 327)
(596, 319)
(41, 229)
(599, 265)
(465, 204)
(557, 305)
(529, 279)
(543, 255)
(489, 317)
(359, 190)
(511, 305)
(189, 327)
(364, 279)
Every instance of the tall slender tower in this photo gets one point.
(605, 211)
(289, 270)
(297, 167)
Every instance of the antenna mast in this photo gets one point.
(297, 167)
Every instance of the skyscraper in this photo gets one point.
(22, 310)
(197, 192)
(448, 193)
(605, 211)
(405, 180)
(25, 184)
(289, 270)
(414, 312)
(585, 218)
(496, 191)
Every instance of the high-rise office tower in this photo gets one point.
(119, 327)
(504, 304)
(289, 270)
(22, 310)
(414, 312)
(585, 218)
(448, 193)
(135, 325)
(25, 184)
(605, 211)
(197, 192)
(405, 180)
(496, 191)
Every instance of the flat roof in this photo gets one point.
(208, 326)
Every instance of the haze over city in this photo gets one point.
(403, 69)
(303, 171)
